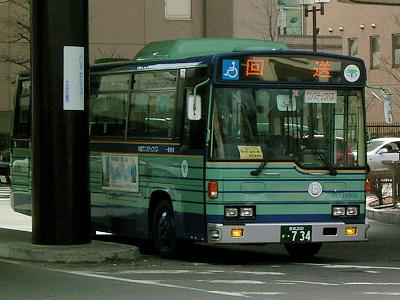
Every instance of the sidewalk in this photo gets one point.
(17, 244)
(386, 214)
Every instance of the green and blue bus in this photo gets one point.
(220, 141)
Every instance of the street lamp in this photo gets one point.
(314, 11)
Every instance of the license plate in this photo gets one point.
(296, 234)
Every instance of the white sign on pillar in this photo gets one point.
(74, 84)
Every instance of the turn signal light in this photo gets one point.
(213, 189)
(237, 233)
(351, 230)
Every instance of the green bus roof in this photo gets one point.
(185, 48)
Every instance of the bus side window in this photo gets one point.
(107, 115)
(152, 114)
(108, 105)
(152, 107)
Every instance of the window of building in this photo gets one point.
(396, 50)
(353, 47)
(290, 18)
(375, 52)
(178, 9)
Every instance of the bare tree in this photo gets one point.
(390, 68)
(16, 31)
(264, 20)
(109, 53)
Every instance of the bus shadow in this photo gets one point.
(266, 254)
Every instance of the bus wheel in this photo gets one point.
(303, 251)
(163, 230)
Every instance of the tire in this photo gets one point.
(303, 251)
(163, 231)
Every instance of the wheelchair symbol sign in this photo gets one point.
(230, 69)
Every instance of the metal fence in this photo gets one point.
(381, 129)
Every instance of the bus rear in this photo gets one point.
(286, 161)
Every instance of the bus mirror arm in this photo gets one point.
(199, 85)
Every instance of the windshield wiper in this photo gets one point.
(259, 168)
(332, 170)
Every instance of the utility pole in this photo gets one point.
(60, 144)
(205, 19)
(315, 30)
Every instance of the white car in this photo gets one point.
(382, 149)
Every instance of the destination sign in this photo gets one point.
(289, 68)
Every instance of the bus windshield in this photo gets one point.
(314, 128)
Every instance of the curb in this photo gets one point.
(390, 216)
(15, 245)
(385, 215)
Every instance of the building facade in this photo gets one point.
(371, 32)
(119, 28)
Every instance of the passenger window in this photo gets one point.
(152, 114)
(107, 115)
(108, 105)
(152, 105)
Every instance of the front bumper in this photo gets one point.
(271, 233)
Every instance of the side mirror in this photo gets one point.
(193, 107)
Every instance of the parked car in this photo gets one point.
(382, 149)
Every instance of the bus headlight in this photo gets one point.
(247, 212)
(352, 211)
(240, 212)
(345, 210)
(338, 211)
(231, 212)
